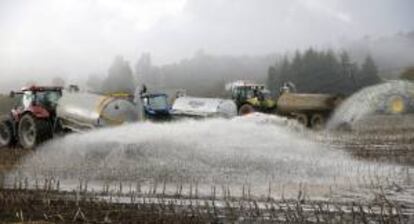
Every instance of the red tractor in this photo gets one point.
(33, 118)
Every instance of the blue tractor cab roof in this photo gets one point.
(153, 95)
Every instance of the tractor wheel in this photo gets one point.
(33, 131)
(303, 119)
(344, 127)
(246, 109)
(6, 134)
(317, 122)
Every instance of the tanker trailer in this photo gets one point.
(203, 107)
(83, 111)
(312, 110)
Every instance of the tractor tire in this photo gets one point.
(317, 121)
(344, 127)
(302, 119)
(6, 134)
(246, 109)
(33, 131)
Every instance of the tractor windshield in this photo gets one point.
(48, 98)
(158, 102)
(243, 93)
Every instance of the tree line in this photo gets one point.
(201, 75)
(311, 71)
(314, 71)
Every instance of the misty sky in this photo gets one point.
(73, 38)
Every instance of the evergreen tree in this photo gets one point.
(143, 69)
(272, 78)
(296, 68)
(119, 78)
(285, 73)
(345, 64)
(348, 70)
(322, 72)
(369, 73)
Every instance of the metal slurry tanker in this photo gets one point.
(80, 111)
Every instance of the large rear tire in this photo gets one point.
(246, 109)
(317, 121)
(33, 131)
(303, 119)
(6, 134)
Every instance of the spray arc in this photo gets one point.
(390, 98)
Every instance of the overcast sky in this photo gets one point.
(73, 38)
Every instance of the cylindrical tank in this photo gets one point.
(295, 102)
(204, 107)
(87, 110)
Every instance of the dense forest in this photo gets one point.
(315, 71)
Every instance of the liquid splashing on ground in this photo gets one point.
(262, 153)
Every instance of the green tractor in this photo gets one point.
(251, 97)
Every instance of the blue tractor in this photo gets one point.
(156, 106)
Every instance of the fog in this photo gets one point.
(74, 38)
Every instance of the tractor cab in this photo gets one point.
(156, 106)
(40, 101)
(250, 97)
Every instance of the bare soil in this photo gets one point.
(58, 207)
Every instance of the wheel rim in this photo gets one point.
(5, 135)
(28, 132)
